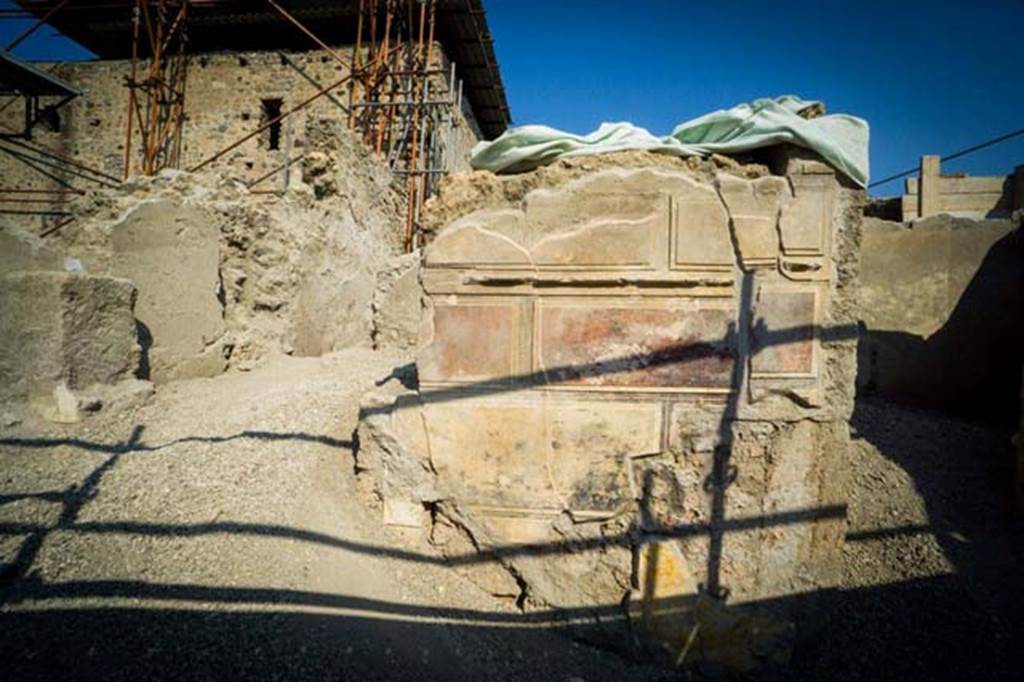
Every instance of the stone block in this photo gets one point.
(172, 255)
(700, 231)
(551, 211)
(483, 238)
(64, 332)
(754, 211)
(805, 221)
(607, 243)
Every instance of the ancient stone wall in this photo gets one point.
(225, 277)
(224, 101)
(937, 298)
(69, 341)
(634, 385)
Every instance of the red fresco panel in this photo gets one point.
(636, 347)
(471, 343)
(784, 333)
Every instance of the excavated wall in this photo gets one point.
(935, 297)
(634, 380)
(218, 277)
(225, 99)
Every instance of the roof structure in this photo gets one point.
(104, 27)
(21, 78)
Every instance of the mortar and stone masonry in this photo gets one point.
(634, 381)
(187, 275)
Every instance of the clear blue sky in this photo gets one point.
(930, 77)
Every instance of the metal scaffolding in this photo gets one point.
(400, 102)
(156, 86)
(404, 99)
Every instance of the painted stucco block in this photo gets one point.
(486, 237)
(701, 231)
(537, 454)
(643, 347)
(609, 242)
(754, 210)
(784, 332)
(805, 221)
(470, 342)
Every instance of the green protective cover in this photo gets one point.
(840, 139)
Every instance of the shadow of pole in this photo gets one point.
(723, 473)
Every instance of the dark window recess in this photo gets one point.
(50, 118)
(272, 111)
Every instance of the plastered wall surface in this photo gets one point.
(634, 384)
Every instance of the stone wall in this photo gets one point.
(634, 378)
(225, 278)
(941, 302)
(68, 341)
(223, 102)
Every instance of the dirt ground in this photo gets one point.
(216, 533)
(932, 586)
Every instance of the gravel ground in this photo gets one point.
(932, 586)
(216, 533)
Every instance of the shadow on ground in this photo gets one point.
(967, 624)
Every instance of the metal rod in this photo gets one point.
(131, 91)
(954, 155)
(30, 160)
(399, 105)
(312, 81)
(66, 221)
(32, 29)
(50, 154)
(24, 160)
(320, 93)
(15, 211)
(312, 36)
(33, 201)
(18, 190)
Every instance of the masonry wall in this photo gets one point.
(223, 102)
(941, 302)
(634, 385)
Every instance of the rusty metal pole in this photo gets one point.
(301, 105)
(131, 90)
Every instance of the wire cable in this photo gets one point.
(950, 157)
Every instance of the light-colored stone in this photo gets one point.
(577, 388)
(171, 253)
(64, 330)
(754, 212)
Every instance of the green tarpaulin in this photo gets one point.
(841, 139)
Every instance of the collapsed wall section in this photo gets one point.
(633, 389)
(226, 277)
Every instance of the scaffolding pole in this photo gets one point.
(394, 105)
(156, 86)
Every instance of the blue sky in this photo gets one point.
(930, 77)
